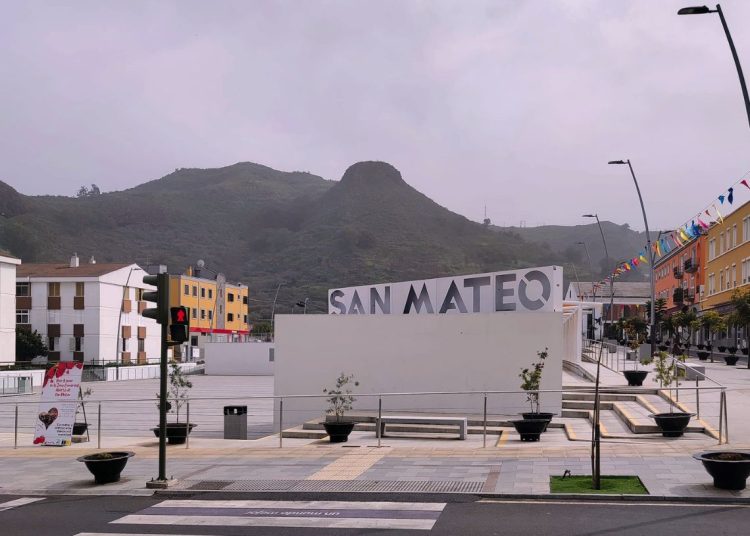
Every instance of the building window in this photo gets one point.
(244, 319)
(210, 314)
(80, 289)
(141, 345)
(125, 345)
(187, 290)
(53, 343)
(194, 313)
(734, 235)
(721, 281)
(712, 249)
(230, 317)
(203, 314)
(23, 289)
(195, 290)
(53, 290)
(203, 292)
(22, 316)
(734, 275)
(230, 297)
(210, 294)
(78, 346)
(244, 300)
(745, 229)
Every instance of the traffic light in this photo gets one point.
(179, 329)
(160, 297)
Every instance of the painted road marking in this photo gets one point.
(19, 502)
(300, 514)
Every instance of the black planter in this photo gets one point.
(722, 348)
(106, 466)
(530, 429)
(703, 356)
(79, 428)
(744, 351)
(731, 360)
(729, 469)
(701, 346)
(176, 432)
(541, 416)
(672, 424)
(732, 350)
(635, 377)
(338, 432)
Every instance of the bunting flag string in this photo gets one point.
(681, 235)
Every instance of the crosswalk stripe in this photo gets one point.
(299, 522)
(19, 502)
(384, 505)
(131, 534)
(298, 514)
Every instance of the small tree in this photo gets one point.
(29, 344)
(178, 389)
(741, 314)
(667, 373)
(711, 322)
(340, 398)
(636, 328)
(531, 379)
(661, 308)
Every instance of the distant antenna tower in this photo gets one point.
(486, 221)
(522, 224)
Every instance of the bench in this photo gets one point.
(460, 422)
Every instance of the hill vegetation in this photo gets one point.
(266, 227)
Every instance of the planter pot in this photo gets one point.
(722, 348)
(176, 432)
(744, 351)
(672, 424)
(729, 469)
(732, 350)
(635, 377)
(701, 346)
(703, 356)
(79, 428)
(731, 360)
(529, 416)
(530, 429)
(339, 432)
(106, 466)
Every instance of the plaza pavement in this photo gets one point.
(505, 466)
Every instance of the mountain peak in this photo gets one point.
(372, 174)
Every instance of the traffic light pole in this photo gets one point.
(163, 402)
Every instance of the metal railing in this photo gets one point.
(15, 385)
(129, 415)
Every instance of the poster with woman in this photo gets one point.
(57, 407)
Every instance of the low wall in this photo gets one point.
(417, 353)
(239, 358)
(141, 372)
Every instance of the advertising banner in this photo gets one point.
(57, 407)
(529, 290)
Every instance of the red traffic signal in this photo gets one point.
(179, 316)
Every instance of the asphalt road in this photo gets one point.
(208, 515)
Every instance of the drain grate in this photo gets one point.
(210, 485)
(404, 486)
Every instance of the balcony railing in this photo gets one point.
(678, 273)
(690, 266)
(690, 294)
(678, 296)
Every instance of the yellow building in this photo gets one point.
(216, 306)
(727, 259)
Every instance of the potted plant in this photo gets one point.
(80, 428)
(534, 422)
(722, 348)
(636, 328)
(672, 424)
(179, 387)
(700, 346)
(729, 469)
(106, 466)
(340, 400)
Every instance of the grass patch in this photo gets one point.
(620, 485)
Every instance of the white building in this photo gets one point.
(8, 265)
(88, 312)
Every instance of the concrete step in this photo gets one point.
(585, 404)
(609, 397)
(575, 413)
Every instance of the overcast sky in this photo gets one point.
(514, 104)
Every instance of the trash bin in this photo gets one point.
(632, 355)
(235, 422)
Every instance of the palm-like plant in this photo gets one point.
(741, 314)
(712, 322)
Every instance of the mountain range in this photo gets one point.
(267, 228)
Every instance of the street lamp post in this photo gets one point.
(596, 432)
(702, 10)
(651, 256)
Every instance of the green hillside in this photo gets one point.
(265, 227)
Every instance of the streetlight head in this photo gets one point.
(589, 215)
(695, 10)
(616, 162)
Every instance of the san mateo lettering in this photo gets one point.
(533, 289)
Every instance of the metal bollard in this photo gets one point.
(281, 420)
(697, 398)
(15, 441)
(99, 428)
(484, 438)
(187, 427)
